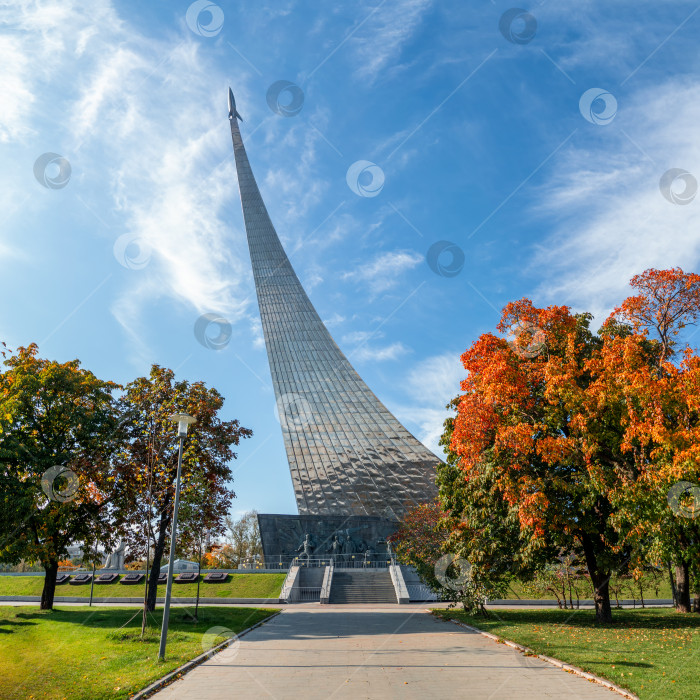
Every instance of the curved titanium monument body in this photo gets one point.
(348, 455)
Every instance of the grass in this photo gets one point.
(653, 653)
(237, 586)
(518, 590)
(88, 654)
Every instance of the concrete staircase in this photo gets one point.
(368, 586)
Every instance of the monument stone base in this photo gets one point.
(344, 537)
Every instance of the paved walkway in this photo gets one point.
(355, 652)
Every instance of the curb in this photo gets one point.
(185, 668)
(555, 662)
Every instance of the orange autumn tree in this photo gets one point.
(583, 438)
(516, 426)
(642, 369)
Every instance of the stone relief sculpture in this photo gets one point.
(307, 547)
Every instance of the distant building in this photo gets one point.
(75, 551)
(181, 565)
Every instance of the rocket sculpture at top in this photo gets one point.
(232, 106)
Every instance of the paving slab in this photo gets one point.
(372, 652)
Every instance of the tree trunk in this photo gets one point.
(157, 559)
(696, 602)
(571, 602)
(600, 581)
(674, 594)
(49, 586)
(682, 588)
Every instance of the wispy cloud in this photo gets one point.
(376, 354)
(379, 44)
(361, 336)
(430, 385)
(16, 97)
(613, 220)
(384, 271)
(146, 143)
(335, 320)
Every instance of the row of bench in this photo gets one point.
(137, 577)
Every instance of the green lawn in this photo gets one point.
(653, 653)
(662, 590)
(237, 586)
(91, 653)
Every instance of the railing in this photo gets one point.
(280, 564)
(347, 561)
(305, 594)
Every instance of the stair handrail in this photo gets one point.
(327, 584)
(287, 593)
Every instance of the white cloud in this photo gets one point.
(16, 98)
(383, 272)
(388, 352)
(379, 43)
(257, 333)
(613, 221)
(436, 379)
(431, 384)
(361, 336)
(144, 141)
(335, 320)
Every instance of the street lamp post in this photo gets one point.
(182, 420)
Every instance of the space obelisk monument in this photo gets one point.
(349, 457)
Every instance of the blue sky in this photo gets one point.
(479, 135)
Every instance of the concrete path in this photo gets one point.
(355, 652)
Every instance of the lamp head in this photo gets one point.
(182, 420)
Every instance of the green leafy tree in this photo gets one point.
(59, 432)
(483, 528)
(423, 541)
(151, 457)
